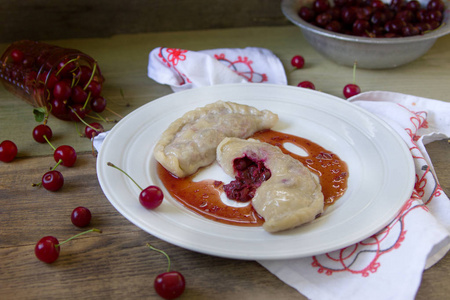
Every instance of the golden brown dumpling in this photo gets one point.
(190, 142)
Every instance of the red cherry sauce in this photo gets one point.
(203, 197)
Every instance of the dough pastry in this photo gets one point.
(290, 197)
(190, 142)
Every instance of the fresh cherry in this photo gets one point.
(84, 74)
(93, 129)
(170, 284)
(77, 112)
(66, 154)
(98, 104)
(81, 216)
(42, 133)
(48, 248)
(150, 197)
(52, 180)
(17, 55)
(351, 90)
(79, 95)
(95, 88)
(298, 61)
(8, 151)
(307, 85)
(62, 90)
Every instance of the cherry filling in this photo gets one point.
(250, 175)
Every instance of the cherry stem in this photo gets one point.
(82, 121)
(354, 72)
(77, 235)
(87, 100)
(114, 166)
(53, 147)
(162, 252)
(94, 68)
(111, 111)
(72, 60)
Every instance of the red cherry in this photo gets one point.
(65, 68)
(98, 104)
(298, 61)
(60, 109)
(93, 129)
(52, 180)
(351, 90)
(47, 249)
(40, 131)
(77, 112)
(66, 154)
(8, 151)
(307, 85)
(62, 90)
(81, 216)
(170, 285)
(79, 95)
(151, 197)
(84, 74)
(95, 88)
(17, 55)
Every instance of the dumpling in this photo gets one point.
(289, 195)
(190, 142)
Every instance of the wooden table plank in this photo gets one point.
(117, 264)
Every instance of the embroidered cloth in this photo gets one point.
(184, 69)
(387, 265)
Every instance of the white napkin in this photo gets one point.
(388, 265)
(185, 69)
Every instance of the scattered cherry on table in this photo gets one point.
(52, 180)
(93, 129)
(298, 61)
(81, 216)
(8, 151)
(170, 284)
(351, 90)
(42, 133)
(66, 154)
(307, 85)
(48, 248)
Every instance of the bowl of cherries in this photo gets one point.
(374, 34)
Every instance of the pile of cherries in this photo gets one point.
(67, 82)
(374, 18)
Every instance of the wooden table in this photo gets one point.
(117, 264)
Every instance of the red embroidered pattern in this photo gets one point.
(354, 258)
(243, 67)
(171, 57)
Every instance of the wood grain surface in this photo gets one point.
(116, 264)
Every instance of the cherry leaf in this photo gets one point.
(39, 114)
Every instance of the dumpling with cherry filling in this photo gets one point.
(286, 194)
(190, 142)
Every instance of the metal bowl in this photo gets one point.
(369, 53)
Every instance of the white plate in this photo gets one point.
(381, 172)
